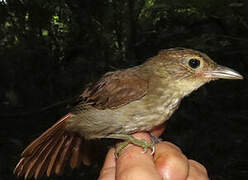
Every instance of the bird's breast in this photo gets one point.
(155, 111)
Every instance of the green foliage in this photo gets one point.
(117, 25)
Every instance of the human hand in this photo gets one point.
(168, 163)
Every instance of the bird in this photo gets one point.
(119, 104)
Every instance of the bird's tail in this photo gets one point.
(50, 152)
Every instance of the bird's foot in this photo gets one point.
(155, 139)
(129, 139)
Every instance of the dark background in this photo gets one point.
(50, 49)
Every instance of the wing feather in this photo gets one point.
(115, 89)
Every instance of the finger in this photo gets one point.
(197, 171)
(108, 169)
(170, 161)
(134, 164)
(158, 130)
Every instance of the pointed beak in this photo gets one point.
(222, 72)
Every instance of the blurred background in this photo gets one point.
(50, 49)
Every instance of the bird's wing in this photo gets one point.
(115, 89)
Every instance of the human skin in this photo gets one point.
(168, 163)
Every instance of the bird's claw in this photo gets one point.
(152, 146)
(130, 139)
(153, 149)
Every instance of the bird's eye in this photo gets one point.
(194, 63)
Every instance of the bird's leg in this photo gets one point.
(155, 139)
(130, 139)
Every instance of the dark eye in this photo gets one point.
(194, 63)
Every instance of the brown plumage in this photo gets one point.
(121, 102)
(115, 89)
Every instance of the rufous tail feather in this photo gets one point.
(51, 152)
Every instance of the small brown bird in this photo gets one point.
(119, 104)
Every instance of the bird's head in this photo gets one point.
(188, 69)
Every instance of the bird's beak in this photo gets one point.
(222, 72)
